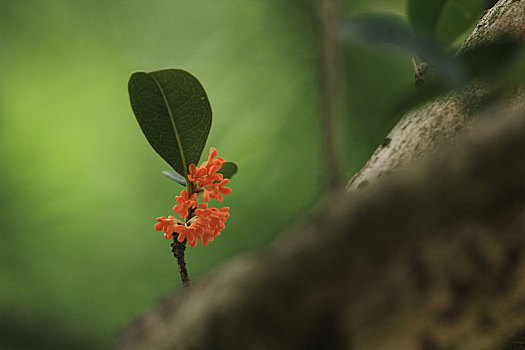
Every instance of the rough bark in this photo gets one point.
(439, 122)
(430, 259)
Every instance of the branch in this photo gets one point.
(178, 248)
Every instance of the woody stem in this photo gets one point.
(178, 249)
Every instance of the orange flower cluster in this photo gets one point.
(205, 223)
(208, 179)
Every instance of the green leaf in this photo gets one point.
(456, 17)
(174, 113)
(444, 20)
(228, 169)
(424, 14)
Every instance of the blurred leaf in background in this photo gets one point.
(375, 79)
(444, 20)
(80, 186)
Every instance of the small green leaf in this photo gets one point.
(175, 177)
(424, 14)
(456, 17)
(392, 31)
(228, 169)
(444, 20)
(174, 113)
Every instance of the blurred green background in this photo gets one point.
(81, 187)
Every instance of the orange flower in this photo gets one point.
(167, 225)
(201, 176)
(210, 222)
(197, 174)
(206, 174)
(216, 190)
(213, 165)
(185, 202)
(206, 237)
(187, 233)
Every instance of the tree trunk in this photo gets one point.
(432, 258)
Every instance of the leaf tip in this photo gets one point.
(136, 74)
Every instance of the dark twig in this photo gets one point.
(178, 249)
